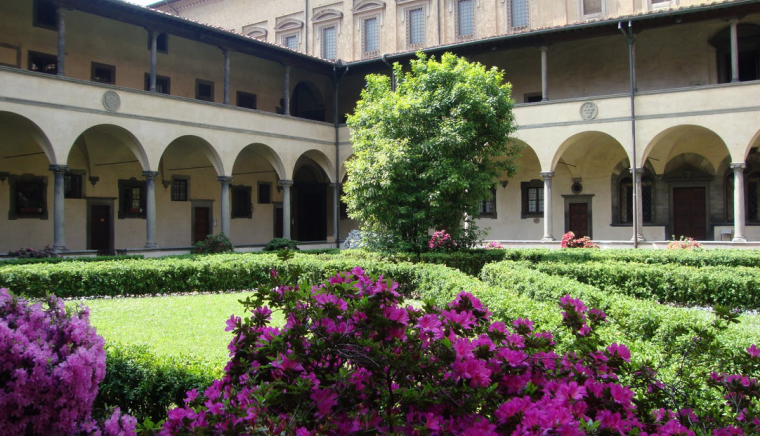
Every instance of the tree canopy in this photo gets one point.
(427, 153)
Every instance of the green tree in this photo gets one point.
(428, 152)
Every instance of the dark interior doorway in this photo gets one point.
(310, 205)
(100, 229)
(201, 223)
(578, 221)
(307, 102)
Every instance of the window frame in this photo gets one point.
(236, 212)
(95, 65)
(165, 50)
(458, 22)
(80, 175)
(244, 94)
(158, 78)
(125, 212)
(666, 4)
(284, 38)
(408, 25)
(259, 186)
(525, 187)
(198, 84)
(370, 53)
(493, 213)
(13, 182)
(32, 53)
(511, 15)
(176, 180)
(323, 41)
(584, 16)
(35, 15)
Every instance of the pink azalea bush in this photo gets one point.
(494, 245)
(570, 241)
(441, 241)
(352, 359)
(51, 363)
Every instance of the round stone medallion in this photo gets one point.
(589, 110)
(111, 101)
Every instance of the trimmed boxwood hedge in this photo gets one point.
(737, 286)
(29, 261)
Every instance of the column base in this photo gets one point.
(739, 240)
(549, 238)
(151, 245)
(59, 249)
(639, 238)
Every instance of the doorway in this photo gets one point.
(690, 213)
(579, 219)
(278, 220)
(202, 220)
(100, 227)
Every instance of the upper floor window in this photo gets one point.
(28, 197)
(204, 90)
(180, 188)
(415, 27)
(241, 201)
(519, 17)
(103, 73)
(656, 4)
(72, 184)
(265, 193)
(329, 43)
(163, 84)
(162, 43)
(370, 43)
(132, 198)
(290, 41)
(465, 19)
(591, 8)
(43, 62)
(45, 15)
(246, 100)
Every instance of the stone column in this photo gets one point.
(336, 211)
(286, 108)
(150, 208)
(734, 51)
(286, 184)
(544, 75)
(153, 50)
(226, 76)
(547, 176)
(639, 206)
(738, 168)
(61, 17)
(226, 213)
(59, 236)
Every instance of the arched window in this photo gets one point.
(625, 195)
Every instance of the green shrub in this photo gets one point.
(278, 244)
(146, 385)
(709, 285)
(28, 261)
(31, 253)
(218, 243)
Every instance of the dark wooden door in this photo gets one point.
(202, 219)
(579, 219)
(689, 213)
(100, 228)
(278, 222)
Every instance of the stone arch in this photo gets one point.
(316, 157)
(680, 139)
(112, 132)
(686, 162)
(266, 152)
(307, 102)
(343, 170)
(753, 143)
(12, 124)
(192, 144)
(589, 139)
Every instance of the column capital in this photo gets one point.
(736, 166)
(226, 51)
(333, 185)
(287, 183)
(544, 48)
(224, 179)
(547, 174)
(733, 21)
(58, 168)
(639, 171)
(150, 174)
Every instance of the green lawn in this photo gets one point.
(190, 324)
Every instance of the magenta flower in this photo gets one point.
(753, 351)
(324, 400)
(619, 351)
